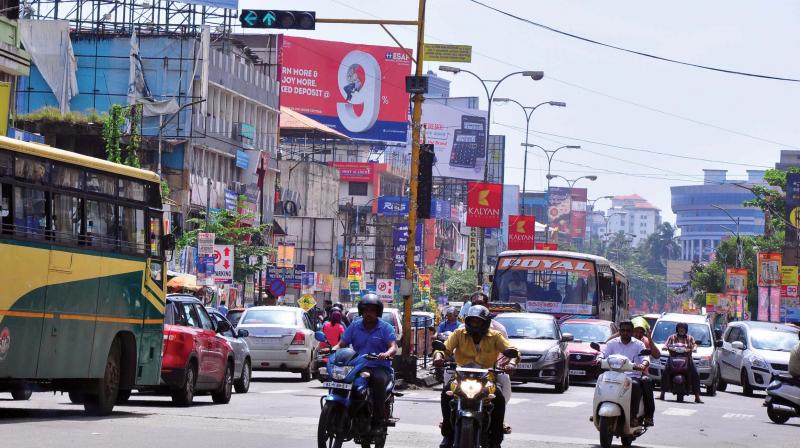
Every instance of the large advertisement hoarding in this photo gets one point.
(521, 232)
(359, 90)
(736, 281)
(577, 219)
(559, 208)
(769, 269)
(484, 201)
(458, 136)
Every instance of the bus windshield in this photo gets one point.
(547, 284)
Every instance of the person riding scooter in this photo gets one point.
(682, 336)
(371, 335)
(477, 344)
(632, 348)
(449, 325)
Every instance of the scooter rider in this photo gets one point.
(475, 343)
(450, 324)
(682, 336)
(631, 348)
(368, 335)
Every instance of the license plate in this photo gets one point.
(335, 385)
(577, 372)
(525, 366)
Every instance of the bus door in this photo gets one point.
(154, 289)
(607, 306)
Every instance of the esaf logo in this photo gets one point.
(396, 56)
(5, 343)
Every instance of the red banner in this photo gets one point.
(354, 171)
(484, 202)
(546, 246)
(521, 232)
(577, 217)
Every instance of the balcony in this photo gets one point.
(228, 71)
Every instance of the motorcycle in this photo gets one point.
(679, 381)
(612, 401)
(346, 410)
(783, 399)
(474, 389)
(320, 369)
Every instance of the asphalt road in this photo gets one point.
(281, 411)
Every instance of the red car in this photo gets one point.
(583, 364)
(196, 358)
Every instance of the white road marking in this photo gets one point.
(514, 401)
(679, 412)
(281, 391)
(565, 404)
(737, 416)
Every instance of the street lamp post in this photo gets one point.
(528, 110)
(550, 154)
(534, 75)
(571, 183)
(738, 235)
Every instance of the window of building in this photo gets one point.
(66, 218)
(357, 188)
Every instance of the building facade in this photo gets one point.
(634, 216)
(703, 224)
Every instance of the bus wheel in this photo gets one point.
(102, 401)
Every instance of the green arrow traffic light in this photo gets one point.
(269, 18)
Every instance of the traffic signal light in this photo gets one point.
(425, 181)
(271, 18)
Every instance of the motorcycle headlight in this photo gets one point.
(554, 354)
(340, 372)
(758, 362)
(616, 363)
(470, 388)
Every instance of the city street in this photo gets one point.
(281, 411)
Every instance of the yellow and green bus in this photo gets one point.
(82, 275)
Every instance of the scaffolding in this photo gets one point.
(156, 17)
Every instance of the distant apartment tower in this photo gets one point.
(437, 87)
(701, 222)
(634, 216)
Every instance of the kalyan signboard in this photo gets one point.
(521, 232)
(358, 90)
(484, 203)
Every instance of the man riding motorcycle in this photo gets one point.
(682, 336)
(631, 348)
(450, 324)
(475, 343)
(371, 335)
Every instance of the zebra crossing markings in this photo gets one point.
(679, 412)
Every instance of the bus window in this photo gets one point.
(131, 229)
(100, 229)
(155, 237)
(67, 177)
(30, 213)
(31, 170)
(5, 208)
(130, 189)
(6, 164)
(101, 184)
(65, 221)
(156, 272)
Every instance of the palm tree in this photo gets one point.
(658, 248)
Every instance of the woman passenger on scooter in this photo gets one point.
(641, 331)
(682, 336)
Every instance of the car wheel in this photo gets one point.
(721, 384)
(563, 385)
(103, 400)
(123, 396)
(242, 385)
(223, 394)
(22, 394)
(184, 395)
(305, 374)
(711, 389)
(747, 389)
(77, 397)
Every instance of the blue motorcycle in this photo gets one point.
(347, 408)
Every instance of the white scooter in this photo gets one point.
(612, 401)
(783, 399)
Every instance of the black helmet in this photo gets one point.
(682, 324)
(478, 320)
(370, 299)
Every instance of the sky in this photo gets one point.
(642, 123)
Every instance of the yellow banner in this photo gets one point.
(789, 275)
(712, 298)
(448, 53)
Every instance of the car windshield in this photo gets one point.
(777, 340)
(584, 332)
(273, 317)
(700, 332)
(528, 328)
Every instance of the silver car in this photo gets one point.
(752, 352)
(242, 365)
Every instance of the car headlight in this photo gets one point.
(703, 362)
(554, 354)
(340, 372)
(758, 362)
(470, 388)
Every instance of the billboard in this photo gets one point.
(769, 269)
(521, 232)
(484, 201)
(736, 281)
(355, 171)
(359, 90)
(577, 219)
(399, 242)
(458, 136)
(559, 208)
(393, 205)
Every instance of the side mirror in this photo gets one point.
(738, 345)
(320, 336)
(567, 337)
(595, 346)
(718, 343)
(243, 333)
(511, 353)
(438, 345)
(223, 326)
(168, 242)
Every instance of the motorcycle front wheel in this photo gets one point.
(467, 434)
(607, 426)
(330, 423)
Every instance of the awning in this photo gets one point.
(295, 124)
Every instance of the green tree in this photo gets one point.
(456, 283)
(658, 248)
(113, 133)
(770, 199)
(231, 227)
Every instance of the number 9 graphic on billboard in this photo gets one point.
(355, 90)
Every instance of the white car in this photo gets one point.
(281, 338)
(752, 352)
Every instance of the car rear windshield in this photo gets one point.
(777, 341)
(587, 332)
(273, 317)
(700, 332)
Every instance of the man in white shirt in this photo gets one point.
(631, 348)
